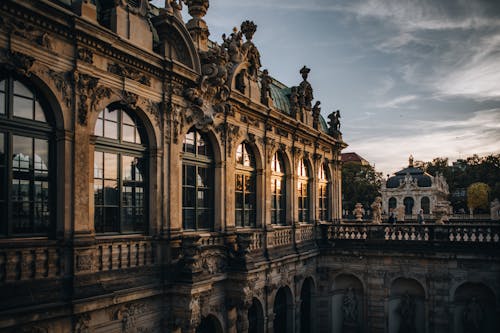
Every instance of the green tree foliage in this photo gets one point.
(462, 173)
(477, 196)
(360, 183)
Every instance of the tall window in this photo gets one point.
(197, 182)
(323, 193)
(26, 155)
(120, 173)
(303, 190)
(278, 190)
(245, 196)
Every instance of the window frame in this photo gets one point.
(122, 148)
(245, 172)
(323, 193)
(303, 184)
(33, 129)
(198, 161)
(278, 215)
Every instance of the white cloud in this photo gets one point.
(397, 102)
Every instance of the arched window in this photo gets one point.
(303, 190)
(392, 203)
(120, 172)
(245, 196)
(278, 190)
(425, 204)
(323, 193)
(197, 182)
(26, 161)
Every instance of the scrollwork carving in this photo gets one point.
(90, 94)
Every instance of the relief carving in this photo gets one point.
(82, 323)
(18, 62)
(90, 94)
(62, 82)
(84, 262)
(85, 55)
(228, 132)
(129, 72)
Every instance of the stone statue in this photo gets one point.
(233, 45)
(334, 123)
(358, 211)
(350, 306)
(473, 316)
(294, 102)
(265, 88)
(248, 49)
(406, 312)
(305, 89)
(316, 110)
(400, 213)
(410, 161)
(376, 207)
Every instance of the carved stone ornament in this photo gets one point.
(128, 314)
(305, 90)
(334, 124)
(84, 262)
(316, 111)
(228, 132)
(265, 88)
(129, 72)
(21, 63)
(27, 31)
(129, 99)
(90, 94)
(62, 82)
(85, 55)
(82, 323)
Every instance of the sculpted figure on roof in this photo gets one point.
(305, 89)
(249, 50)
(233, 45)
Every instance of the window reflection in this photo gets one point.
(303, 191)
(197, 182)
(245, 196)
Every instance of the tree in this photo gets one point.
(477, 196)
(360, 183)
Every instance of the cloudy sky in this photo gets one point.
(417, 77)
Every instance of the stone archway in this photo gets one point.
(425, 204)
(409, 203)
(474, 309)
(406, 307)
(209, 324)
(306, 306)
(393, 203)
(255, 317)
(283, 311)
(347, 304)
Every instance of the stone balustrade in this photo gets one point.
(281, 236)
(123, 254)
(24, 262)
(305, 233)
(456, 233)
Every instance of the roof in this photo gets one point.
(353, 158)
(423, 178)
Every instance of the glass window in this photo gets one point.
(245, 194)
(323, 194)
(303, 191)
(278, 190)
(120, 185)
(197, 182)
(25, 178)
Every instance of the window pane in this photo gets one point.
(41, 159)
(128, 133)
(130, 170)
(98, 129)
(110, 115)
(110, 166)
(98, 165)
(2, 103)
(21, 90)
(2, 85)
(239, 183)
(110, 193)
(39, 113)
(204, 219)
(23, 107)
(189, 146)
(41, 213)
(22, 152)
(111, 223)
(190, 175)
(189, 197)
(188, 217)
(2, 151)
(98, 193)
(110, 130)
(126, 119)
(21, 206)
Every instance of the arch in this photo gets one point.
(474, 308)
(256, 317)
(392, 203)
(425, 204)
(306, 306)
(31, 180)
(209, 324)
(348, 303)
(409, 203)
(178, 44)
(323, 192)
(246, 187)
(304, 189)
(283, 311)
(257, 152)
(406, 306)
(121, 169)
(278, 189)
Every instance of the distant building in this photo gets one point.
(413, 189)
(353, 158)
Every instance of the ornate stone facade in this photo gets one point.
(412, 189)
(109, 222)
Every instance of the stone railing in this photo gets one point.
(457, 233)
(305, 233)
(24, 262)
(256, 241)
(281, 236)
(122, 254)
(211, 240)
